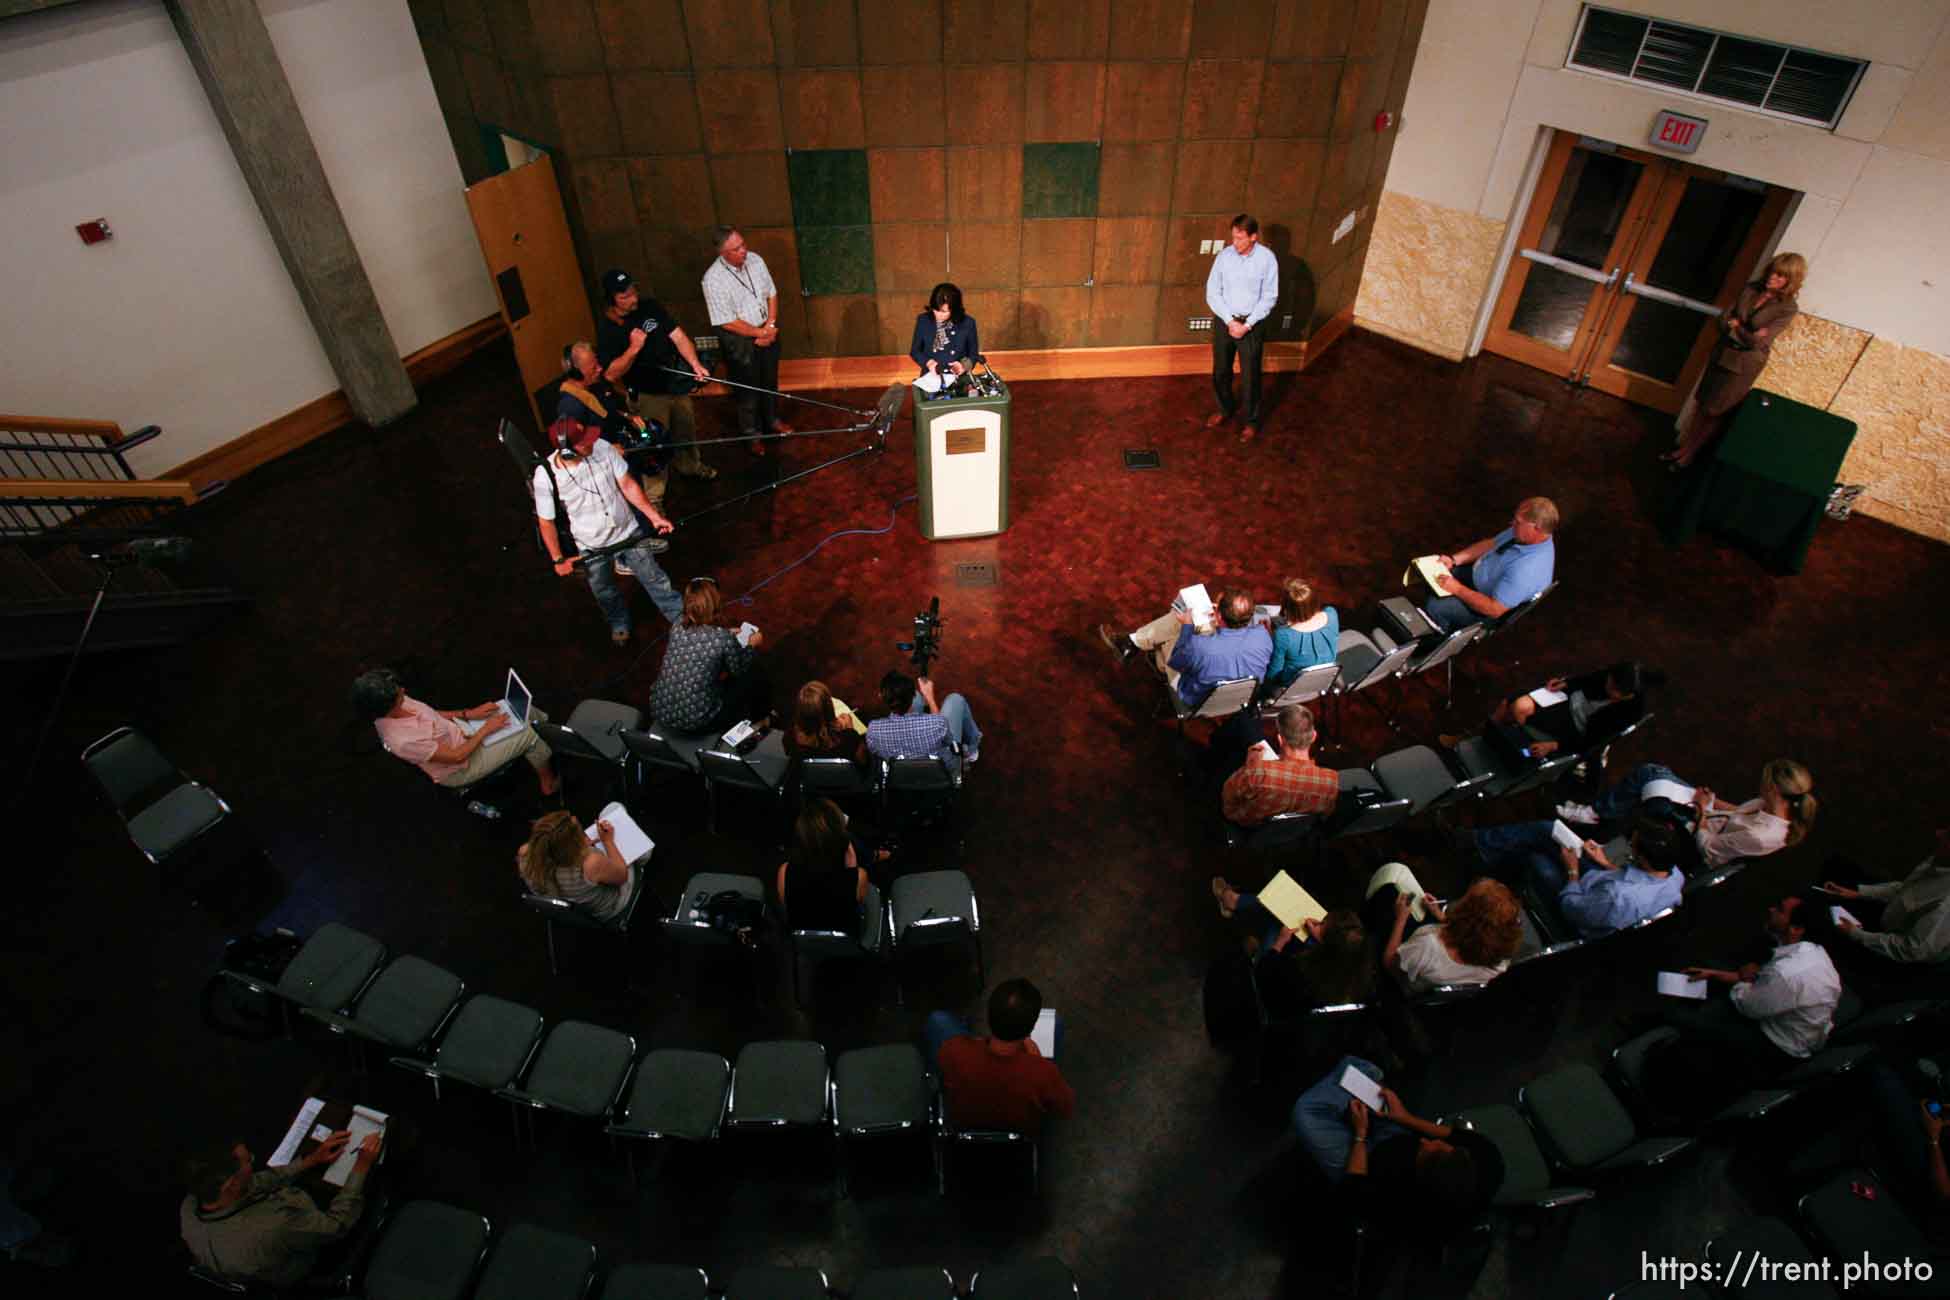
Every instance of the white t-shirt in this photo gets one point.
(592, 493)
(1426, 963)
(1794, 998)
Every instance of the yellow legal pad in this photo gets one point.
(1284, 898)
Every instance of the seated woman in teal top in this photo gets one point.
(1303, 635)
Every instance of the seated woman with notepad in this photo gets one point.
(559, 861)
(1471, 941)
(1778, 817)
(822, 885)
(1305, 633)
(710, 679)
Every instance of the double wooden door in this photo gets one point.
(1624, 264)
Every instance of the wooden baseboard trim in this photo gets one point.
(323, 415)
(1327, 335)
(1162, 359)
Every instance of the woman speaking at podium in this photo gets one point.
(945, 344)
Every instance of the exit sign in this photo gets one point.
(1677, 132)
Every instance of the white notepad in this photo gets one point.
(1044, 1034)
(1285, 899)
(1569, 838)
(1838, 914)
(1544, 697)
(1675, 985)
(631, 842)
(1197, 602)
(1357, 1084)
(1677, 791)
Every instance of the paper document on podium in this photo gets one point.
(1428, 568)
(631, 842)
(928, 382)
(1285, 899)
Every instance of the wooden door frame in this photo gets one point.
(1502, 340)
(1599, 373)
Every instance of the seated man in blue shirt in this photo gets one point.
(1195, 661)
(916, 726)
(1592, 894)
(1500, 571)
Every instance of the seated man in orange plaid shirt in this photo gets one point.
(1290, 781)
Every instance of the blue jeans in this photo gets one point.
(1617, 800)
(961, 721)
(1253, 912)
(1320, 1120)
(649, 575)
(1448, 612)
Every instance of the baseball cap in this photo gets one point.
(614, 282)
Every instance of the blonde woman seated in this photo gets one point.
(1778, 817)
(559, 862)
(1471, 941)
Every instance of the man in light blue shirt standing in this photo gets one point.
(1242, 291)
(1498, 572)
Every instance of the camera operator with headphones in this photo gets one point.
(587, 396)
(593, 483)
(635, 340)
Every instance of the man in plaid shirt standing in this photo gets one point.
(1290, 781)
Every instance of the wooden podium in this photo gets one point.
(961, 465)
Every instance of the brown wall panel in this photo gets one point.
(995, 312)
(1297, 98)
(1184, 264)
(1177, 305)
(821, 109)
(1063, 101)
(1286, 174)
(1150, 29)
(1130, 250)
(900, 31)
(984, 29)
(564, 33)
(657, 112)
(739, 109)
(1212, 176)
(815, 33)
(751, 189)
(673, 191)
(1053, 317)
(985, 184)
(985, 254)
(1231, 29)
(1135, 179)
(1143, 101)
(842, 325)
(908, 184)
(1311, 29)
(903, 105)
(1122, 315)
(910, 255)
(988, 103)
(1068, 29)
(1222, 98)
(642, 34)
(727, 33)
(1058, 251)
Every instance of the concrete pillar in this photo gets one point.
(232, 53)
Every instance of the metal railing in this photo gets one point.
(44, 447)
(32, 507)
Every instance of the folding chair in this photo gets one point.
(677, 1095)
(778, 1282)
(1313, 682)
(580, 1070)
(1383, 812)
(426, 1251)
(531, 1263)
(326, 975)
(778, 1086)
(560, 911)
(880, 1092)
(839, 779)
(1417, 774)
(951, 1138)
(1586, 1128)
(1510, 617)
(489, 1045)
(591, 735)
(163, 810)
(1527, 1181)
(905, 1284)
(837, 945)
(1269, 1023)
(919, 790)
(1442, 654)
(1222, 701)
(1363, 664)
(1866, 1232)
(1035, 1279)
(763, 773)
(686, 927)
(656, 1282)
(1758, 1238)
(404, 1008)
(655, 748)
(928, 908)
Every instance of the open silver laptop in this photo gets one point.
(514, 710)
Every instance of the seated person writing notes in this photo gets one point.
(261, 1227)
(710, 679)
(1896, 930)
(1471, 941)
(1779, 816)
(561, 861)
(1590, 893)
(1486, 578)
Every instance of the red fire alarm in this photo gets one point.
(1383, 120)
(94, 232)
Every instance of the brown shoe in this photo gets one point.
(618, 637)
(1448, 740)
(1248, 433)
(1115, 642)
(1217, 418)
(1219, 891)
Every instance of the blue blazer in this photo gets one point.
(962, 345)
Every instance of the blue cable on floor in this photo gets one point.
(745, 597)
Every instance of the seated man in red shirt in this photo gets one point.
(1290, 781)
(1002, 1081)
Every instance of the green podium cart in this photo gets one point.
(1768, 481)
(961, 465)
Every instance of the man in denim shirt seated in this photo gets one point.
(1195, 661)
(1592, 894)
(1498, 572)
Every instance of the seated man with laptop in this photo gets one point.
(456, 747)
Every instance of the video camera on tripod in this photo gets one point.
(925, 648)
